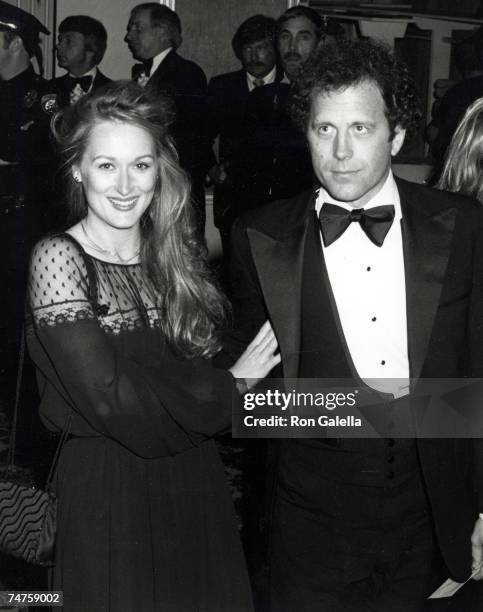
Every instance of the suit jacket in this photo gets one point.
(185, 82)
(273, 160)
(443, 251)
(61, 87)
(227, 99)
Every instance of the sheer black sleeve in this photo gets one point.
(153, 411)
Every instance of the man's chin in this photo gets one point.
(135, 55)
(292, 69)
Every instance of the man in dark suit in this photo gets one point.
(153, 35)
(81, 45)
(273, 160)
(374, 280)
(254, 45)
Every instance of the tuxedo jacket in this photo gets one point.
(185, 82)
(227, 98)
(443, 257)
(61, 87)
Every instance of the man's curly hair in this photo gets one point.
(348, 63)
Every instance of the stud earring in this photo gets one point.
(77, 178)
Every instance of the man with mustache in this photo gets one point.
(254, 45)
(273, 160)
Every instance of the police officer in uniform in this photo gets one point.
(25, 155)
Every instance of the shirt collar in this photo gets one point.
(267, 79)
(388, 194)
(157, 59)
(92, 72)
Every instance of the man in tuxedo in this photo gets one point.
(366, 278)
(153, 36)
(254, 45)
(273, 160)
(81, 44)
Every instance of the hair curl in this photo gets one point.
(334, 67)
(171, 255)
(462, 170)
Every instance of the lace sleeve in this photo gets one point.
(58, 283)
(151, 411)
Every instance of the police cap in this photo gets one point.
(14, 19)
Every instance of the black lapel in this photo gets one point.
(427, 233)
(165, 72)
(279, 263)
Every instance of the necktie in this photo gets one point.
(375, 222)
(258, 82)
(85, 82)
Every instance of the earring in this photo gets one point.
(77, 178)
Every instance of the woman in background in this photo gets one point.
(122, 321)
(463, 165)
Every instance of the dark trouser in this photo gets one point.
(363, 548)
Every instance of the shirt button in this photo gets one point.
(374, 319)
(390, 475)
(391, 442)
(383, 362)
(390, 459)
(368, 268)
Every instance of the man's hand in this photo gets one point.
(477, 549)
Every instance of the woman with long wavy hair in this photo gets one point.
(463, 165)
(123, 317)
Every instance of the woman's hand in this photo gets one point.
(258, 358)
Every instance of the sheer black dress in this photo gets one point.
(145, 519)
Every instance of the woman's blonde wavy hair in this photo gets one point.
(173, 259)
(463, 165)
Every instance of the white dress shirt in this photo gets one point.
(369, 289)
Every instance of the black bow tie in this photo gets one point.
(85, 82)
(375, 222)
(144, 67)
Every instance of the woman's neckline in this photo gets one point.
(96, 258)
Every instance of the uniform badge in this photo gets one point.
(29, 98)
(49, 103)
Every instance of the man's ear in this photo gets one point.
(16, 44)
(398, 140)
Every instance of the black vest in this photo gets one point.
(325, 355)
